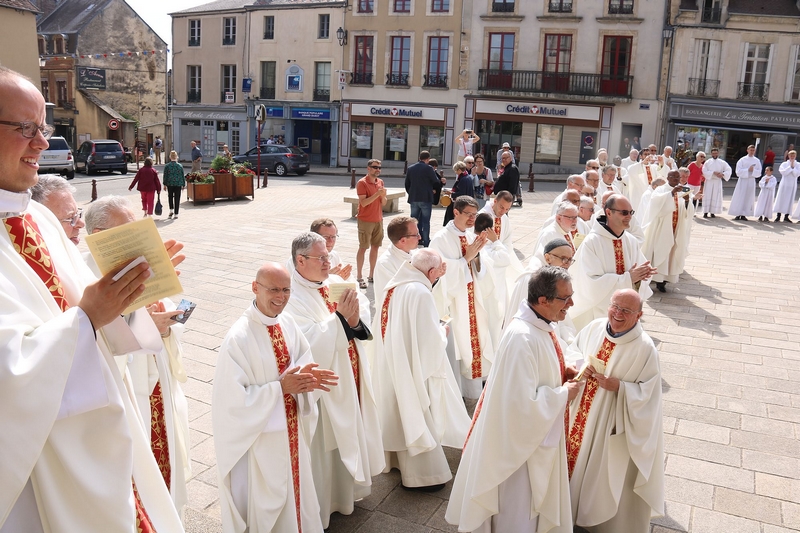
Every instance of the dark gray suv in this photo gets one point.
(101, 154)
(277, 159)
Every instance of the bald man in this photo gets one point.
(575, 182)
(263, 406)
(616, 469)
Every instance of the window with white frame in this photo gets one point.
(269, 27)
(229, 31)
(793, 89)
(324, 26)
(754, 83)
(228, 83)
(704, 80)
(194, 32)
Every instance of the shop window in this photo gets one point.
(399, 66)
(620, 7)
(366, 6)
(269, 27)
(362, 68)
(704, 139)
(324, 26)
(395, 147)
(438, 50)
(361, 140)
(194, 32)
(431, 138)
(229, 31)
(493, 134)
(548, 144)
(401, 6)
(615, 80)
(440, 6)
(556, 63)
(193, 81)
(228, 84)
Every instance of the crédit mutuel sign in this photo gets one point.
(410, 112)
(537, 110)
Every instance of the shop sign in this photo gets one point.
(764, 117)
(537, 110)
(315, 114)
(211, 116)
(91, 78)
(409, 112)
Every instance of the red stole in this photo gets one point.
(649, 175)
(497, 226)
(352, 351)
(474, 339)
(675, 215)
(619, 257)
(158, 434)
(385, 312)
(283, 360)
(579, 426)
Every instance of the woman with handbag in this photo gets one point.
(174, 183)
(147, 183)
(462, 187)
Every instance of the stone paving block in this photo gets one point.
(716, 522)
(698, 430)
(791, 515)
(706, 472)
(701, 449)
(197, 390)
(718, 389)
(778, 487)
(747, 505)
(677, 516)
(669, 424)
(759, 441)
(715, 364)
(699, 399)
(778, 428)
(702, 414)
(199, 522)
(760, 394)
(204, 453)
(201, 495)
(788, 414)
(741, 406)
(203, 424)
(382, 486)
(770, 463)
(197, 408)
(340, 523)
(769, 528)
(738, 357)
(767, 371)
(438, 523)
(198, 370)
(410, 505)
(690, 492)
(384, 523)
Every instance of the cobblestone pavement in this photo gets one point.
(728, 333)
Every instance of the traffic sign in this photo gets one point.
(113, 124)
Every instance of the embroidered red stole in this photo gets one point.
(283, 360)
(675, 215)
(474, 339)
(619, 257)
(29, 243)
(385, 312)
(649, 175)
(474, 419)
(352, 350)
(562, 368)
(568, 238)
(579, 426)
(498, 223)
(158, 434)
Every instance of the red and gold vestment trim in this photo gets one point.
(474, 338)
(619, 257)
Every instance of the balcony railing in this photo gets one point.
(502, 7)
(361, 78)
(397, 79)
(194, 42)
(752, 91)
(702, 87)
(560, 6)
(228, 41)
(536, 81)
(712, 15)
(222, 97)
(619, 8)
(322, 95)
(435, 80)
(267, 93)
(193, 96)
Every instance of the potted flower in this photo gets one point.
(200, 187)
(223, 179)
(243, 178)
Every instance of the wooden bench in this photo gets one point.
(393, 197)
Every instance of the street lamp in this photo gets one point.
(341, 35)
(667, 33)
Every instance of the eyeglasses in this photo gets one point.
(595, 168)
(569, 217)
(618, 309)
(415, 235)
(565, 299)
(373, 166)
(276, 290)
(623, 212)
(564, 261)
(322, 258)
(29, 129)
(330, 238)
(469, 215)
(73, 220)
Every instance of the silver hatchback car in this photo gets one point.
(57, 159)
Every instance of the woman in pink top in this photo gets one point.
(147, 183)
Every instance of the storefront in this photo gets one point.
(555, 137)
(212, 128)
(700, 125)
(396, 133)
(312, 130)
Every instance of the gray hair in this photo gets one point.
(48, 184)
(563, 207)
(98, 214)
(543, 283)
(425, 259)
(590, 161)
(587, 201)
(574, 178)
(683, 170)
(302, 244)
(609, 169)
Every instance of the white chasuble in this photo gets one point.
(712, 190)
(667, 233)
(784, 199)
(615, 451)
(386, 267)
(744, 195)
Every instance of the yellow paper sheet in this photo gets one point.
(336, 290)
(578, 239)
(116, 247)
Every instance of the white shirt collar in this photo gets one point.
(261, 317)
(13, 203)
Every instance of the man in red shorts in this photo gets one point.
(371, 199)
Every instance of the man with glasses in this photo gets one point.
(404, 236)
(608, 260)
(67, 419)
(328, 230)
(591, 164)
(564, 226)
(346, 449)
(514, 463)
(263, 407)
(616, 473)
(371, 199)
(609, 181)
(575, 182)
(56, 194)
(420, 183)
(466, 294)
(633, 157)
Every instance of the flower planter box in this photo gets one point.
(244, 185)
(200, 192)
(223, 185)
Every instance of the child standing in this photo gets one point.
(766, 198)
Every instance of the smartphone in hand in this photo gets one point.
(187, 307)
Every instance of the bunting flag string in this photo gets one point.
(106, 55)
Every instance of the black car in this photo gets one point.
(101, 154)
(277, 159)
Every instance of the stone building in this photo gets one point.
(18, 37)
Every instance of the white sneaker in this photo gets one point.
(170, 214)
(175, 217)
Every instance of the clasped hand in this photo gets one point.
(298, 380)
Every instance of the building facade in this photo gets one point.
(734, 76)
(18, 37)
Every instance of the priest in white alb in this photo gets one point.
(513, 471)
(787, 188)
(575, 182)
(668, 229)
(715, 172)
(608, 260)
(346, 449)
(466, 294)
(564, 226)
(615, 449)
(608, 181)
(263, 410)
(404, 236)
(748, 168)
(419, 404)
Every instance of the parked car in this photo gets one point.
(100, 154)
(57, 159)
(277, 158)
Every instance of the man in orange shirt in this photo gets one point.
(371, 199)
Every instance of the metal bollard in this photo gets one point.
(349, 168)
(94, 190)
(266, 179)
(405, 168)
(353, 179)
(530, 178)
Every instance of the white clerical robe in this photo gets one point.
(712, 190)
(419, 404)
(564, 329)
(547, 234)
(766, 197)
(387, 266)
(602, 188)
(252, 432)
(784, 199)
(666, 242)
(70, 432)
(346, 449)
(640, 176)
(473, 341)
(744, 195)
(557, 201)
(517, 440)
(616, 442)
(602, 267)
(515, 267)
